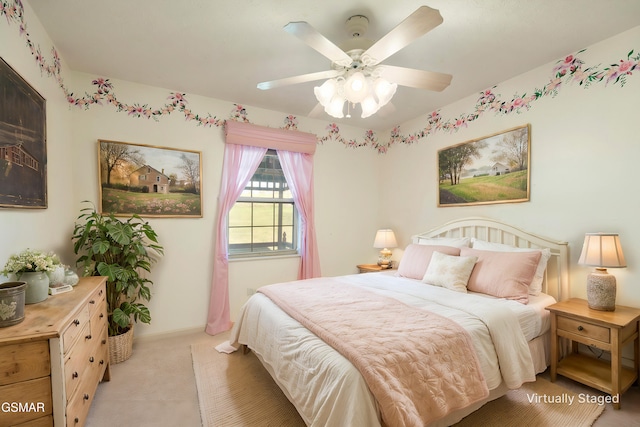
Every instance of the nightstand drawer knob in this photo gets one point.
(580, 328)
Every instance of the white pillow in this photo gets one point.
(448, 271)
(536, 284)
(456, 242)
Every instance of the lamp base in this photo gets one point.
(601, 290)
(384, 259)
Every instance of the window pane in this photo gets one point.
(240, 238)
(240, 215)
(287, 213)
(262, 236)
(263, 214)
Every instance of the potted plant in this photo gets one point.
(122, 251)
(32, 266)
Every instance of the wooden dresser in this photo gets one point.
(51, 363)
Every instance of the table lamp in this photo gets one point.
(602, 250)
(384, 240)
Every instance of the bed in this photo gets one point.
(336, 388)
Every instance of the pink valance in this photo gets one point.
(260, 136)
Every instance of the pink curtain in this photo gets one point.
(246, 145)
(298, 171)
(239, 164)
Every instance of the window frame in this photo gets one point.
(253, 253)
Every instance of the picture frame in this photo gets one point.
(488, 170)
(23, 142)
(149, 181)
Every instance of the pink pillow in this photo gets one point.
(416, 259)
(503, 274)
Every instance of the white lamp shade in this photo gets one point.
(325, 92)
(384, 90)
(356, 88)
(369, 107)
(335, 107)
(602, 250)
(385, 239)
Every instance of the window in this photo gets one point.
(264, 220)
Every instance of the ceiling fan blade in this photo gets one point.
(317, 41)
(303, 78)
(317, 111)
(420, 22)
(420, 79)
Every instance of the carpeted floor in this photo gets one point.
(235, 390)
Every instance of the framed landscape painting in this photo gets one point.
(491, 169)
(149, 181)
(23, 143)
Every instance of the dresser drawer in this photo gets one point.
(76, 361)
(78, 406)
(36, 394)
(585, 329)
(96, 301)
(75, 328)
(20, 362)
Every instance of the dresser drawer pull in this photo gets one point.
(88, 337)
(85, 397)
(104, 342)
(92, 301)
(102, 362)
(76, 420)
(76, 322)
(91, 359)
(101, 315)
(580, 328)
(74, 375)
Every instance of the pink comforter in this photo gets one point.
(418, 365)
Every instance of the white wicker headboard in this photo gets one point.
(556, 281)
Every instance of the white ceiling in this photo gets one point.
(223, 48)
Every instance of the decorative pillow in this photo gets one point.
(536, 284)
(416, 258)
(503, 274)
(456, 242)
(451, 272)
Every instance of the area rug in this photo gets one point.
(234, 390)
(538, 404)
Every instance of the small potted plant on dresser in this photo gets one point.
(122, 251)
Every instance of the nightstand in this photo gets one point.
(604, 330)
(370, 268)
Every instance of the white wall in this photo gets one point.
(43, 229)
(345, 184)
(585, 148)
(584, 151)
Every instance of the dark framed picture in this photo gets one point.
(149, 181)
(487, 170)
(23, 143)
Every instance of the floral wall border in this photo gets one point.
(568, 70)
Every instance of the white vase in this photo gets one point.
(56, 276)
(37, 286)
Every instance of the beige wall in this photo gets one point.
(585, 148)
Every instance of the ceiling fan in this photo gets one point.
(356, 75)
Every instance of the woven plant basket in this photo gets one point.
(121, 346)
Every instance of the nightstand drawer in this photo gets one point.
(585, 329)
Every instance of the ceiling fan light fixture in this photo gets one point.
(326, 92)
(335, 107)
(356, 87)
(369, 107)
(384, 90)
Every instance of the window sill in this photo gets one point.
(240, 258)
